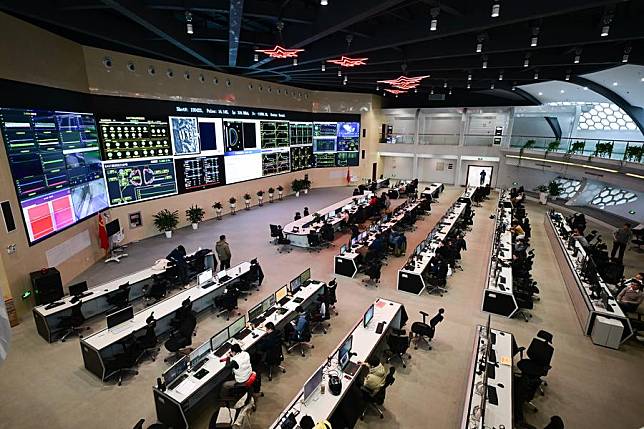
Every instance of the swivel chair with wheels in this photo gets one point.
(539, 358)
(331, 297)
(180, 340)
(227, 303)
(319, 317)
(139, 425)
(398, 342)
(119, 298)
(273, 359)
(149, 341)
(373, 271)
(74, 322)
(378, 398)
(295, 339)
(423, 332)
(124, 362)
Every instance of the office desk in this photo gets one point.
(494, 415)
(433, 190)
(498, 296)
(466, 197)
(410, 276)
(102, 345)
(48, 320)
(586, 308)
(173, 407)
(365, 341)
(346, 264)
(297, 231)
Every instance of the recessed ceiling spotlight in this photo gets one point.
(535, 37)
(540, 93)
(536, 75)
(484, 61)
(416, 90)
(642, 79)
(449, 92)
(469, 85)
(324, 2)
(526, 61)
(627, 51)
(501, 76)
(445, 84)
(339, 73)
(492, 85)
(294, 61)
(615, 84)
(496, 9)
(469, 77)
(585, 88)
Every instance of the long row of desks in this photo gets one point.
(49, 318)
(490, 370)
(365, 341)
(433, 190)
(410, 277)
(98, 348)
(498, 296)
(346, 264)
(174, 406)
(297, 231)
(592, 315)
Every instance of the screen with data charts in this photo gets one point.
(134, 137)
(200, 172)
(139, 180)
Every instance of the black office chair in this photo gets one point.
(157, 290)
(539, 357)
(331, 296)
(139, 425)
(373, 271)
(398, 342)
(124, 362)
(227, 303)
(119, 298)
(273, 359)
(149, 341)
(555, 423)
(74, 322)
(314, 242)
(180, 340)
(279, 240)
(318, 318)
(423, 332)
(379, 397)
(301, 340)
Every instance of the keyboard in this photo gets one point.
(282, 311)
(492, 397)
(224, 279)
(199, 365)
(242, 334)
(284, 300)
(222, 350)
(298, 300)
(177, 381)
(270, 311)
(491, 371)
(201, 373)
(53, 305)
(351, 368)
(207, 285)
(306, 283)
(85, 294)
(257, 321)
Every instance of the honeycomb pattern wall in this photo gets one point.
(569, 187)
(604, 117)
(612, 197)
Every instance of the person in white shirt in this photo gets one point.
(239, 362)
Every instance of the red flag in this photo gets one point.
(348, 175)
(102, 233)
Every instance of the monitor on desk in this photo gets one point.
(219, 339)
(305, 276)
(311, 385)
(199, 354)
(363, 236)
(78, 289)
(281, 293)
(343, 352)
(255, 312)
(268, 302)
(368, 316)
(385, 218)
(221, 274)
(354, 241)
(113, 227)
(235, 327)
(343, 249)
(175, 370)
(120, 316)
(295, 285)
(204, 277)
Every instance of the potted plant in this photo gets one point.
(166, 221)
(280, 191)
(297, 186)
(306, 184)
(527, 145)
(271, 192)
(577, 147)
(633, 153)
(554, 189)
(247, 198)
(233, 203)
(604, 149)
(218, 209)
(553, 146)
(260, 197)
(195, 214)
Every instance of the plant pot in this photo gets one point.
(297, 194)
(232, 208)
(247, 202)
(280, 194)
(168, 234)
(543, 198)
(195, 226)
(261, 201)
(306, 191)
(218, 213)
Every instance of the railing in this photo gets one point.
(621, 150)
(438, 139)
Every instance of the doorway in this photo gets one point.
(374, 170)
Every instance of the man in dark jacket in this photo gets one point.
(223, 252)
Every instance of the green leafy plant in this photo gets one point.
(577, 147)
(634, 153)
(217, 206)
(271, 190)
(247, 196)
(554, 188)
(297, 185)
(541, 188)
(165, 220)
(232, 200)
(306, 183)
(195, 214)
(604, 149)
(260, 193)
(527, 145)
(553, 146)
(280, 188)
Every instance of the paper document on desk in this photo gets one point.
(506, 360)
(185, 387)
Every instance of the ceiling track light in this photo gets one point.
(496, 9)
(449, 92)
(324, 2)
(484, 61)
(526, 61)
(492, 85)
(535, 37)
(431, 91)
(377, 87)
(469, 76)
(189, 28)
(469, 85)
(627, 51)
(606, 21)
(339, 73)
(323, 67)
(256, 57)
(479, 42)
(294, 61)
(433, 25)
(567, 74)
(416, 90)
(501, 76)
(445, 84)
(536, 75)
(577, 59)
(479, 47)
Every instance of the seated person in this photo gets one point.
(300, 324)
(178, 257)
(157, 289)
(516, 228)
(378, 245)
(269, 341)
(298, 216)
(355, 231)
(306, 211)
(577, 235)
(375, 378)
(239, 362)
(345, 217)
(307, 422)
(373, 202)
(630, 297)
(445, 252)
(357, 192)
(520, 248)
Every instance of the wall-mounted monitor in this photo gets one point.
(184, 132)
(139, 180)
(274, 134)
(200, 172)
(134, 137)
(301, 133)
(348, 136)
(301, 157)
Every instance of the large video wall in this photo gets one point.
(67, 166)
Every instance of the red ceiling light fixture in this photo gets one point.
(395, 91)
(280, 52)
(404, 82)
(348, 61)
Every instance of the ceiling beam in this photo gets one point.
(234, 28)
(154, 24)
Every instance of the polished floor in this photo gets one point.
(589, 386)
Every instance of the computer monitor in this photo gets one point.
(113, 227)
(199, 354)
(343, 249)
(219, 339)
(305, 276)
(120, 316)
(385, 218)
(363, 236)
(419, 249)
(295, 285)
(268, 302)
(354, 241)
(311, 385)
(281, 293)
(255, 312)
(221, 274)
(205, 277)
(343, 352)
(368, 315)
(236, 326)
(78, 289)
(175, 370)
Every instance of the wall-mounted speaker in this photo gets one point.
(7, 214)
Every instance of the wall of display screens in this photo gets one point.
(67, 166)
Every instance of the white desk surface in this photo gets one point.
(469, 191)
(500, 414)
(365, 340)
(597, 306)
(214, 366)
(504, 254)
(362, 201)
(433, 187)
(420, 263)
(107, 337)
(101, 290)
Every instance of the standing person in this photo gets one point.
(178, 257)
(621, 237)
(483, 174)
(223, 252)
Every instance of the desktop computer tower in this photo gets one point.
(47, 285)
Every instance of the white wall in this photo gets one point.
(428, 170)
(398, 167)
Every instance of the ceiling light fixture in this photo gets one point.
(536, 75)
(280, 52)
(404, 82)
(377, 87)
(642, 79)
(567, 74)
(294, 61)
(395, 91)
(433, 25)
(606, 21)
(416, 90)
(585, 88)
(492, 85)
(348, 61)
(535, 37)
(323, 68)
(501, 76)
(469, 76)
(540, 93)
(189, 28)
(627, 51)
(324, 2)
(469, 85)
(484, 61)
(449, 92)
(339, 73)
(479, 47)
(431, 91)
(496, 9)
(345, 80)
(256, 57)
(479, 42)
(526, 61)
(562, 91)
(514, 88)
(577, 59)
(445, 84)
